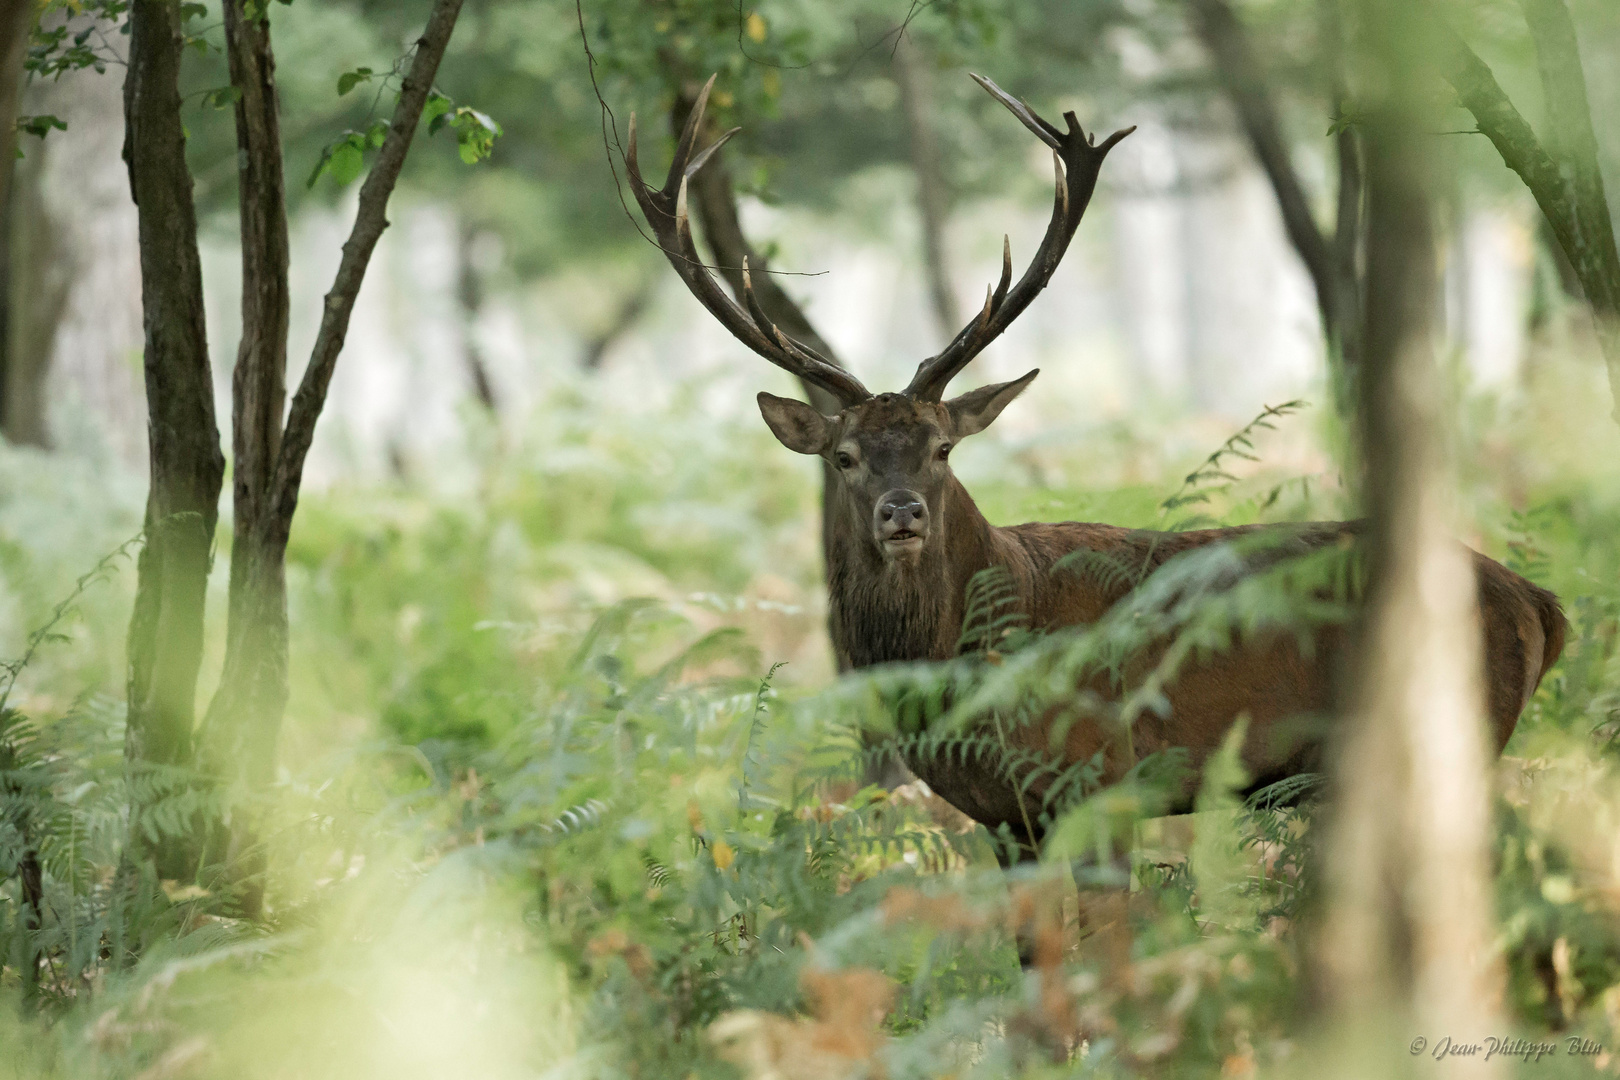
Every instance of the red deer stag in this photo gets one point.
(907, 538)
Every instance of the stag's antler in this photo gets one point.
(666, 212)
(1077, 161)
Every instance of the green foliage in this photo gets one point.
(552, 803)
(61, 48)
(475, 133)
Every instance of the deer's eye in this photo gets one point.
(845, 461)
(943, 452)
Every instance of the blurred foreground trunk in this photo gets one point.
(186, 466)
(1405, 946)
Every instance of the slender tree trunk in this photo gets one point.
(913, 77)
(187, 468)
(1406, 943)
(252, 692)
(244, 719)
(624, 318)
(16, 17)
(39, 282)
(1330, 261)
(75, 291)
(470, 295)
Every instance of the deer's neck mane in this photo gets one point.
(884, 611)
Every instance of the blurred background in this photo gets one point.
(869, 164)
(533, 426)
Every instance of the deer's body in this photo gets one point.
(905, 539)
(882, 612)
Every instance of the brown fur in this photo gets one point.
(887, 608)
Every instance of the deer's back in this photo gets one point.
(1288, 692)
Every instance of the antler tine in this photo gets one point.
(1006, 269)
(1043, 131)
(683, 146)
(666, 212)
(757, 312)
(1076, 162)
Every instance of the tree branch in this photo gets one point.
(1238, 68)
(369, 223)
(1584, 232)
(1574, 147)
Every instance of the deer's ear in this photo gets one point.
(799, 426)
(973, 411)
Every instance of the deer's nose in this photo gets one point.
(901, 511)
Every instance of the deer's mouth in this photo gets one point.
(903, 540)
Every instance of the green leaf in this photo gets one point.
(350, 79)
(376, 134)
(222, 97)
(437, 110)
(41, 125)
(346, 163)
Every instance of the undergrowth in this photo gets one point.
(551, 805)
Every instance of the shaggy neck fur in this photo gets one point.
(887, 610)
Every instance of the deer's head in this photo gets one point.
(890, 452)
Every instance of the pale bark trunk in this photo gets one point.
(1408, 929)
(36, 300)
(77, 322)
(187, 468)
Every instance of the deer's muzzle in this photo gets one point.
(900, 520)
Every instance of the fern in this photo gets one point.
(1211, 475)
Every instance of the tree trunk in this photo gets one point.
(76, 274)
(912, 76)
(246, 709)
(1406, 943)
(244, 719)
(1330, 261)
(16, 17)
(470, 295)
(39, 280)
(187, 468)
(629, 311)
